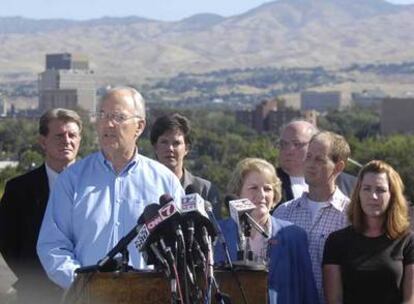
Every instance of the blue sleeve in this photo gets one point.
(55, 246)
(213, 197)
(290, 270)
(304, 269)
(229, 228)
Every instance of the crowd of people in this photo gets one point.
(331, 237)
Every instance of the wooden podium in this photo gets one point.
(153, 288)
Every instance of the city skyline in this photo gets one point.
(156, 9)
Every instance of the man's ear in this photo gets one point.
(140, 127)
(339, 166)
(41, 140)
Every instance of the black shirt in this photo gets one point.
(371, 268)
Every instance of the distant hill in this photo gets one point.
(290, 33)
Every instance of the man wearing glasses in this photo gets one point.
(321, 209)
(98, 200)
(293, 145)
(24, 202)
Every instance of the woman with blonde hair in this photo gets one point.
(285, 252)
(372, 260)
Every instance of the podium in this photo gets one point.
(150, 287)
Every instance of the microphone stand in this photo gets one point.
(173, 278)
(248, 254)
(196, 294)
(219, 296)
(210, 270)
(244, 253)
(182, 264)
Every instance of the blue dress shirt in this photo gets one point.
(290, 279)
(92, 207)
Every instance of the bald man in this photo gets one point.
(293, 145)
(96, 201)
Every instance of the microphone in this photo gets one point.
(239, 210)
(155, 239)
(220, 236)
(208, 260)
(160, 258)
(158, 222)
(148, 216)
(193, 209)
(170, 209)
(214, 221)
(205, 208)
(165, 199)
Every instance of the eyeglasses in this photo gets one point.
(283, 144)
(117, 118)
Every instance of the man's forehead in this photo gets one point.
(59, 125)
(320, 146)
(297, 132)
(123, 97)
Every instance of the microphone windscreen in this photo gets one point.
(190, 189)
(149, 212)
(165, 199)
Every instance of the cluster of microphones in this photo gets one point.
(178, 240)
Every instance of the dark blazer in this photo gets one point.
(21, 213)
(205, 188)
(345, 183)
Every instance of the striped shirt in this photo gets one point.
(329, 219)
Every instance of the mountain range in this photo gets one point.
(283, 33)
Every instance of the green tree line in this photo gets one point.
(219, 142)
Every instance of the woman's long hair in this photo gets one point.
(396, 221)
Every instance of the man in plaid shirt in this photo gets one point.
(322, 210)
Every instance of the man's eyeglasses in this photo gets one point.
(283, 144)
(117, 118)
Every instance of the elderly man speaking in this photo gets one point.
(98, 200)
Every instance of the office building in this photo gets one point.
(67, 82)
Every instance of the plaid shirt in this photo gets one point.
(329, 219)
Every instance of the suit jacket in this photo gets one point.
(206, 189)
(21, 213)
(345, 183)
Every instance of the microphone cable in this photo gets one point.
(182, 261)
(180, 293)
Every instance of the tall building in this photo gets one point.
(67, 82)
(397, 116)
(272, 115)
(320, 101)
(261, 114)
(368, 98)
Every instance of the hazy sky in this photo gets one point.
(155, 9)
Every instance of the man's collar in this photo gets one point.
(49, 170)
(338, 200)
(108, 164)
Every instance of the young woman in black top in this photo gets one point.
(372, 261)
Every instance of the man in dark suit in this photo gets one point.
(294, 141)
(24, 202)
